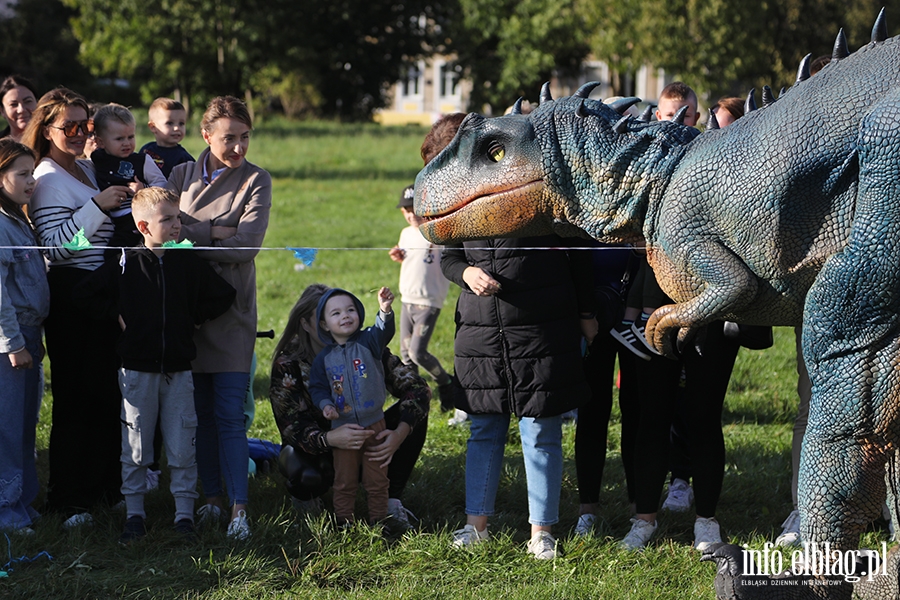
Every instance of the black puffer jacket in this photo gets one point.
(519, 351)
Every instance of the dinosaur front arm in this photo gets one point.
(713, 283)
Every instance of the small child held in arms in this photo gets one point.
(347, 384)
(116, 163)
(423, 289)
(24, 304)
(160, 297)
(167, 122)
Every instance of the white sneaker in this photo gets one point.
(640, 534)
(706, 533)
(400, 512)
(790, 534)
(209, 514)
(469, 536)
(585, 525)
(542, 546)
(680, 496)
(239, 528)
(78, 520)
(459, 417)
(152, 479)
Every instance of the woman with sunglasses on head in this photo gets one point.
(85, 439)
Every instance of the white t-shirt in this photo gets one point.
(421, 280)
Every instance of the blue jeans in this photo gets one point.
(19, 406)
(222, 449)
(542, 451)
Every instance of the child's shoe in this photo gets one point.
(469, 536)
(209, 515)
(77, 520)
(239, 528)
(640, 534)
(459, 417)
(185, 528)
(790, 534)
(680, 496)
(585, 525)
(400, 512)
(543, 546)
(133, 531)
(624, 332)
(706, 533)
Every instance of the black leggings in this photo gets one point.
(593, 418)
(311, 475)
(706, 379)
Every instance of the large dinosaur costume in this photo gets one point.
(790, 215)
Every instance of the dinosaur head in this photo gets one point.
(573, 166)
(488, 182)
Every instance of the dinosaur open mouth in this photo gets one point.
(504, 198)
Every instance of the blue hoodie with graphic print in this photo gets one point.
(350, 377)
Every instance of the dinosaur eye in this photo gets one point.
(496, 151)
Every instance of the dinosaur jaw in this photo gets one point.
(501, 214)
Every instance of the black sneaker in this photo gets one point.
(447, 394)
(625, 333)
(134, 530)
(393, 528)
(185, 527)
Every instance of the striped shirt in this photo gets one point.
(61, 206)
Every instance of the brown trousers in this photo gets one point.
(346, 480)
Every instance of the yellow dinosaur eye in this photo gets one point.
(496, 152)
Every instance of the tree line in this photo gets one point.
(337, 58)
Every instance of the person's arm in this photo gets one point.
(581, 267)
(153, 177)
(319, 386)
(56, 218)
(453, 263)
(214, 294)
(11, 338)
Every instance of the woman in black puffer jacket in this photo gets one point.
(519, 323)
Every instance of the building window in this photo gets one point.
(411, 83)
(449, 80)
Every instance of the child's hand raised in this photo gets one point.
(397, 254)
(330, 413)
(385, 299)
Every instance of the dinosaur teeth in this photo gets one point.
(879, 30)
(840, 46)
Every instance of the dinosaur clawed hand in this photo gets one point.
(670, 334)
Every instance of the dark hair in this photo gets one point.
(225, 107)
(294, 336)
(14, 81)
(51, 105)
(819, 63)
(733, 104)
(10, 151)
(442, 133)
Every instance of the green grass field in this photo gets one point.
(336, 186)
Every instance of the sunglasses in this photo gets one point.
(70, 128)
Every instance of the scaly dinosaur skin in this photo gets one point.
(790, 215)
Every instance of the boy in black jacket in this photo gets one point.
(159, 297)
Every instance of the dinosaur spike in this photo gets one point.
(623, 104)
(517, 107)
(712, 122)
(879, 30)
(840, 46)
(781, 92)
(581, 112)
(679, 116)
(645, 115)
(768, 97)
(750, 102)
(585, 90)
(621, 124)
(803, 71)
(545, 93)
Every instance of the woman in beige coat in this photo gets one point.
(225, 204)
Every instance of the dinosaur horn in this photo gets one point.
(840, 46)
(621, 124)
(803, 71)
(768, 97)
(645, 116)
(545, 93)
(517, 107)
(750, 102)
(713, 122)
(781, 92)
(623, 104)
(679, 116)
(879, 31)
(585, 90)
(581, 112)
